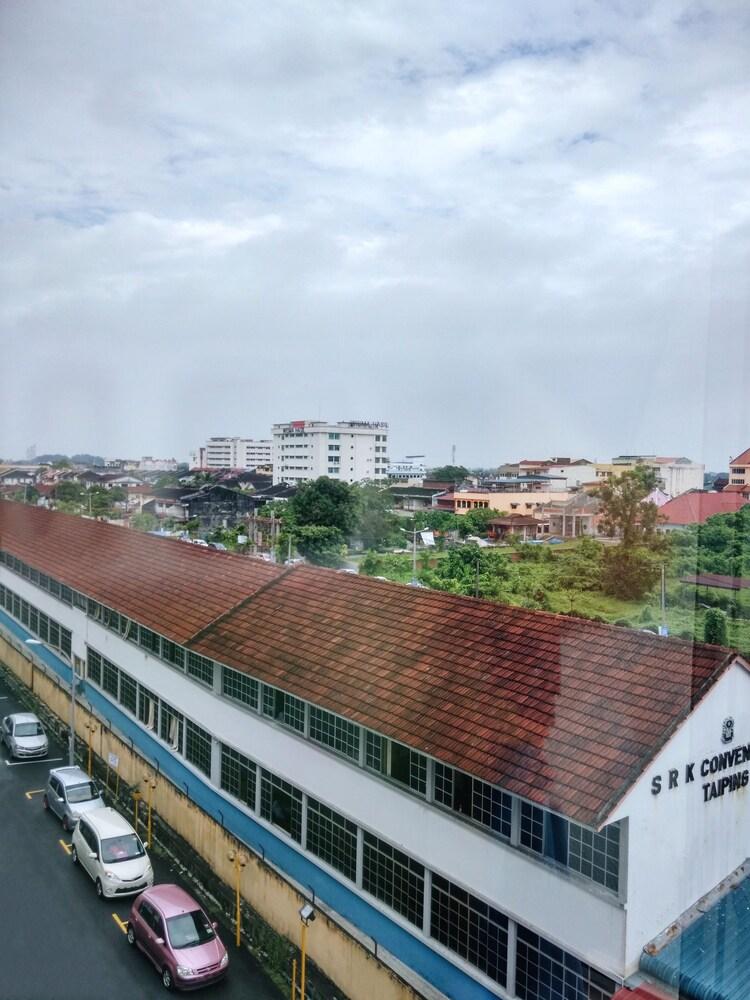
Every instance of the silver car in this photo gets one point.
(24, 736)
(70, 793)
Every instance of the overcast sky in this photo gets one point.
(519, 228)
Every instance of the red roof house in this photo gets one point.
(696, 506)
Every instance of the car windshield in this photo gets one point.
(189, 929)
(28, 729)
(123, 848)
(82, 793)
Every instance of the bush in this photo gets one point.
(624, 622)
(715, 627)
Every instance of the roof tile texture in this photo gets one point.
(562, 711)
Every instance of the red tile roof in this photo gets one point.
(737, 488)
(743, 459)
(695, 507)
(173, 588)
(562, 711)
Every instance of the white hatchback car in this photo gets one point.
(112, 854)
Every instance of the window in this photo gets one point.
(334, 732)
(147, 708)
(546, 972)
(198, 747)
(281, 804)
(284, 708)
(239, 687)
(149, 640)
(596, 855)
(394, 878)
(332, 838)
(200, 668)
(173, 653)
(128, 692)
(171, 726)
(94, 666)
(110, 677)
(238, 776)
(474, 798)
(470, 927)
(544, 833)
(407, 766)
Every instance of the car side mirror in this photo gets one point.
(214, 925)
(93, 855)
(146, 844)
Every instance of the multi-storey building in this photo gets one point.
(350, 450)
(512, 804)
(233, 453)
(673, 475)
(739, 471)
(410, 469)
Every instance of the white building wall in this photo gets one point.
(570, 912)
(235, 453)
(350, 451)
(681, 846)
(681, 478)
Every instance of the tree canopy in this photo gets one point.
(449, 473)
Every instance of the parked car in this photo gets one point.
(219, 546)
(111, 853)
(173, 931)
(70, 793)
(24, 736)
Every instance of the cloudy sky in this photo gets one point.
(519, 228)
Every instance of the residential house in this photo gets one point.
(523, 502)
(697, 506)
(411, 498)
(524, 526)
(574, 472)
(739, 471)
(675, 475)
(574, 517)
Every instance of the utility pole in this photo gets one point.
(663, 628)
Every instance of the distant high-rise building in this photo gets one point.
(350, 450)
(409, 469)
(233, 453)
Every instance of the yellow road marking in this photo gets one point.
(33, 791)
(65, 847)
(120, 923)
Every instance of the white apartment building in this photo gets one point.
(233, 453)
(350, 450)
(410, 469)
(674, 475)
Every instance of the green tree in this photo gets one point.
(144, 522)
(579, 568)
(715, 628)
(319, 544)
(68, 492)
(630, 569)
(376, 525)
(324, 503)
(475, 522)
(26, 494)
(449, 473)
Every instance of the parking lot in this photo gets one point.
(57, 940)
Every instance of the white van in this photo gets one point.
(111, 852)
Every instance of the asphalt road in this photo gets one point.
(57, 940)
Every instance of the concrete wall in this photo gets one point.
(355, 970)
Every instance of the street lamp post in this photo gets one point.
(91, 727)
(150, 784)
(306, 915)
(239, 859)
(72, 733)
(413, 534)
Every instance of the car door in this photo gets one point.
(6, 731)
(160, 935)
(90, 845)
(148, 924)
(55, 799)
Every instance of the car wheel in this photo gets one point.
(131, 935)
(65, 824)
(74, 856)
(45, 803)
(166, 978)
(99, 889)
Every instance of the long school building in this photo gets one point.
(511, 803)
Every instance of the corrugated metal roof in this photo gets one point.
(709, 959)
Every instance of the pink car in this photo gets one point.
(173, 931)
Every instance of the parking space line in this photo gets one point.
(39, 760)
(120, 923)
(66, 847)
(33, 791)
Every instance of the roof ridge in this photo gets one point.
(236, 607)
